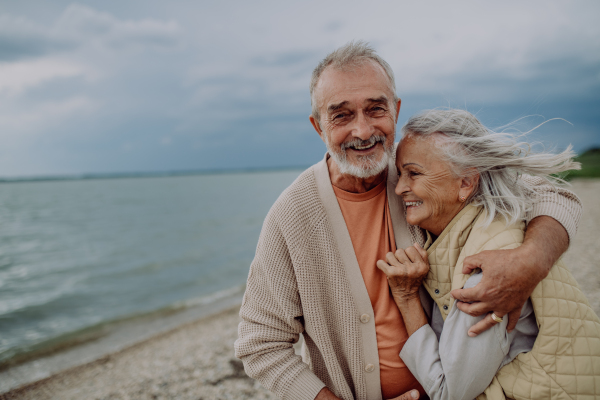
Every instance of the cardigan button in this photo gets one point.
(437, 291)
(445, 307)
(369, 367)
(364, 318)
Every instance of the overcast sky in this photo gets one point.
(138, 86)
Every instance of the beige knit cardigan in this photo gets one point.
(305, 279)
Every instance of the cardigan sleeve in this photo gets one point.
(557, 202)
(272, 320)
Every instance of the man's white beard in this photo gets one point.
(367, 166)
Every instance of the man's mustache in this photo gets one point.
(361, 143)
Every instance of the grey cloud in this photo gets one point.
(83, 22)
(80, 25)
(285, 59)
(20, 38)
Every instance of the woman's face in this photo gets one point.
(426, 183)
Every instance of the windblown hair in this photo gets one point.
(351, 55)
(497, 157)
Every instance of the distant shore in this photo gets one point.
(196, 360)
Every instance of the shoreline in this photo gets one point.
(193, 358)
(192, 361)
(98, 342)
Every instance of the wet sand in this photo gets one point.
(196, 361)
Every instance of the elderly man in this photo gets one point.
(315, 271)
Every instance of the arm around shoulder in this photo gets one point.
(557, 202)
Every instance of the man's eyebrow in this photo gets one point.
(335, 107)
(381, 99)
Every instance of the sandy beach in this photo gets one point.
(196, 360)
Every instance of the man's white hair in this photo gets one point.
(497, 157)
(351, 55)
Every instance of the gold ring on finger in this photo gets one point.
(496, 318)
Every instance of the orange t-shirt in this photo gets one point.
(369, 223)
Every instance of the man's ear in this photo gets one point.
(398, 109)
(317, 126)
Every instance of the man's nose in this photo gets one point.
(363, 129)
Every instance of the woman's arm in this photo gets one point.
(459, 366)
(405, 272)
(456, 367)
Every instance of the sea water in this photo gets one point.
(75, 254)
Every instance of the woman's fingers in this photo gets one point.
(413, 254)
(421, 251)
(401, 256)
(384, 267)
(420, 265)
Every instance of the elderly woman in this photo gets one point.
(459, 182)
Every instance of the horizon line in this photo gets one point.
(149, 174)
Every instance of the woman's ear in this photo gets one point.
(468, 184)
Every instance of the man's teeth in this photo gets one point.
(367, 146)
(413, 203)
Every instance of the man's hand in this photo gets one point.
(509, 276)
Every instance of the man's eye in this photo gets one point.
(338, 117)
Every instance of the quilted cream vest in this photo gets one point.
(565, 360)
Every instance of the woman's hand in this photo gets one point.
(405, 271)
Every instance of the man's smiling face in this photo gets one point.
(358, 117)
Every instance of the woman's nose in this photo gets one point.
(401, 187)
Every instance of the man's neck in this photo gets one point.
(351, 183)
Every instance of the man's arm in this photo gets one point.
(509, 276)
(271, 321)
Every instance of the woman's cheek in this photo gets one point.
(434, 201)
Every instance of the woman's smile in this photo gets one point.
(413, 203)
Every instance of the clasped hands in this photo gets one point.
(405, 271)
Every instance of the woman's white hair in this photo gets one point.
(497, 157)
